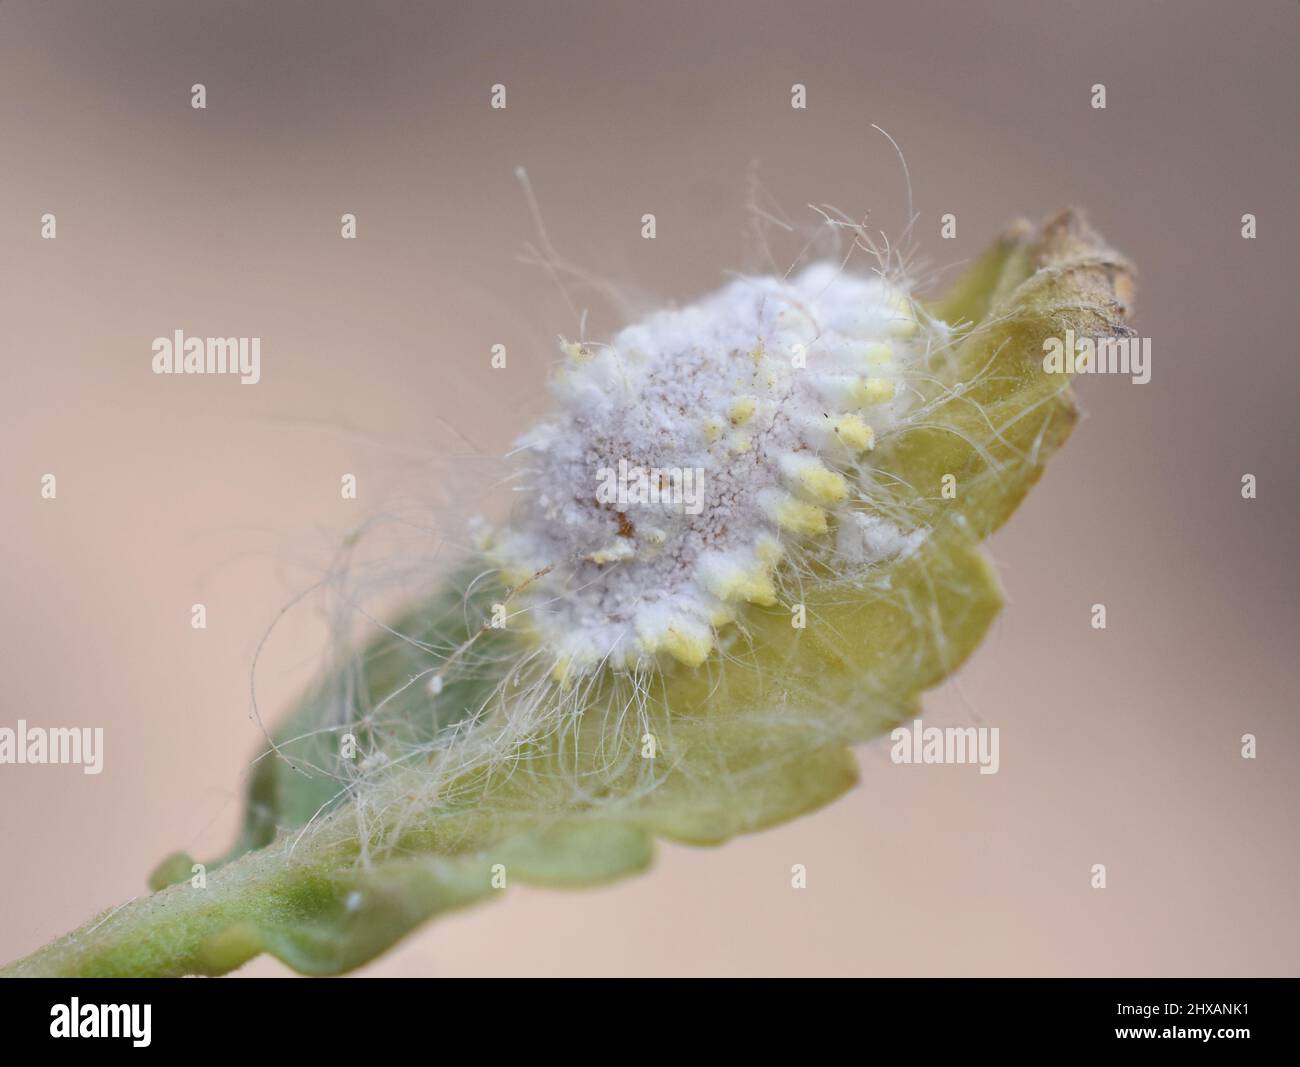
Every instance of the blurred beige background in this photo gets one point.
(1119, 747)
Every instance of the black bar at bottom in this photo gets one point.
(380, 1018)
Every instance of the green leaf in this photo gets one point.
(333, 867)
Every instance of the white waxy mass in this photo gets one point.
(753, 412)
